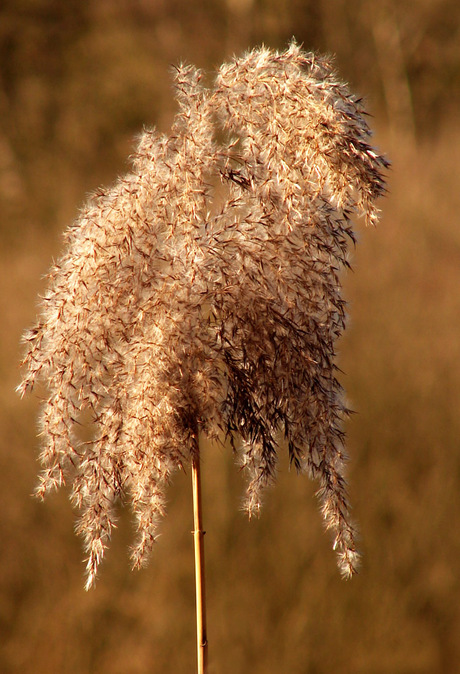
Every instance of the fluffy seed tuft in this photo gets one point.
(201, 294)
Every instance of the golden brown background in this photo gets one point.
(79, 79)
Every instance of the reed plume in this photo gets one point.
(201, 295)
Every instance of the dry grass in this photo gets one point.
(274, 578)
(161, 322)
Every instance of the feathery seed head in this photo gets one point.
(182, 305)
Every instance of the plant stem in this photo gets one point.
(198, 535)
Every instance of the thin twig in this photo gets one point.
(198, 536)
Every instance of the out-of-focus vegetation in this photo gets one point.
(78, 81)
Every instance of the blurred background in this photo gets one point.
(78, 80)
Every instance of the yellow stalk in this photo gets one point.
(198, 536)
